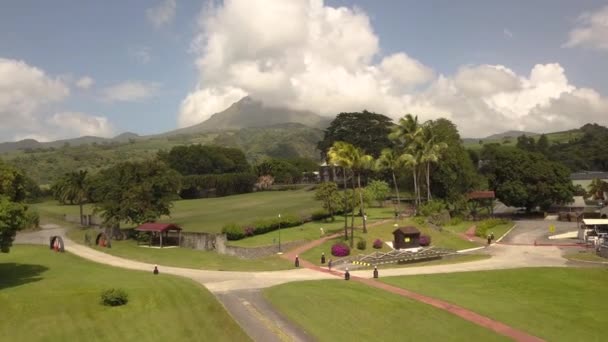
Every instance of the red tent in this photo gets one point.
(161, 229)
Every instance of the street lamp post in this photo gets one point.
(280, 234)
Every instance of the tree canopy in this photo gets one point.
(136, 192)
(525, 179)
(205, 159)
(13, 212)
(365, 130)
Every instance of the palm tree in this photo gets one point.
(74, 188)
(597, 187)
(389, 160)
(361, 162)
(407, 135)
(339, 155)
(431, 152)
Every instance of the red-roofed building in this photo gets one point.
(161, 230)
(481, 199)
(481, 195)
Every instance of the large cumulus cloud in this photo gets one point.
(306, 55)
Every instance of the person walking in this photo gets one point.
(297, 262)
(347, 275)
(155, 270)
(322, 258)
(329, 265)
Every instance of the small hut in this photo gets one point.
(161, 232)
(406, 237)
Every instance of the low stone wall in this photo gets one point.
(260, 252)
(203, 241)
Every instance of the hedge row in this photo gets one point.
(194, 186)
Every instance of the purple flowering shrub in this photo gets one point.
(340, 249)
(377, 244)
(425, 240)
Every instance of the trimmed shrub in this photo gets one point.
(431, 207)
(32, 219)
(425, 240)
(361, 244)
(233, 231)
(377, 244)
(114, 297)
(340, 249)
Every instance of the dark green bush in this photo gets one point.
(233, 231)
(114, 297)
(361, 244)
(32, 219)
(431, 207)
(319, 215)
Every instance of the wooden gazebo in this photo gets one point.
(406, 237)
(162, 229)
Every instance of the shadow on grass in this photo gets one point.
(13, 274)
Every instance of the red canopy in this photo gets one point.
(481, 194)
(157, 227)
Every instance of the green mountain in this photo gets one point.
(249, 113)
(258, 130)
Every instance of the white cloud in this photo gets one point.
(130, 91)
(141, 54)
(85, 82)
(80, 124)
(591, 31)
(507, 33)
(28, 94)
(327, 60)
(162, 14)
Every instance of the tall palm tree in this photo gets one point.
(360, 163)
(597, 187)
(408, 137)
(389, 160)
(74, 188)
(431, 153)
(339, 155)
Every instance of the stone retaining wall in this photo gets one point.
(260, 252)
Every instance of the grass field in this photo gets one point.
(462, 227)
(557, 304)
(585, 256)
(211, 214)
(184, 257)
(48, 296)
(335, 310)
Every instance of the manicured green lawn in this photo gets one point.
(463, 226)
(384, 232)
(336, 310)
(557, 304)
(47, 296)
(585, 256)
(211, 214)
(184, 257)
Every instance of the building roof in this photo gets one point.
(589, 175)
(595, 222)
(407, 230)
(157, 227)
(481, 194)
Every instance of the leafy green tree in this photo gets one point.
(327, 193)
(431, 153)
(136, 192)
(280, 169)
(378, 190)
(525, 179)
(542, 145)
(12, 219)
(205, 159)
(13, 213)
(526, 143)
(457, 173)
(365, 130)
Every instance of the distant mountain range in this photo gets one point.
(246, 113)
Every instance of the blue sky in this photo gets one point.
(151, 66)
